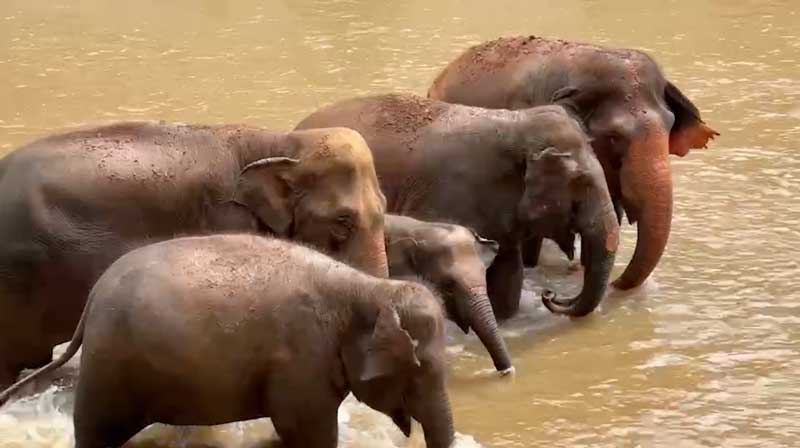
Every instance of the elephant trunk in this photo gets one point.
(647, 194)
(484, 324)
(372, 259)
(435, 417)
(599, 240)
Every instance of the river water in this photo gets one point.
(706, 354)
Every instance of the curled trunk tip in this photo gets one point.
(595, 282)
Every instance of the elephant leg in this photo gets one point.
(303, 409)
(104, 429)
(105, 415)
(307, 427)
(504, 281)
(22, 346)
(530, 251)
(8, 373)
(13, 362)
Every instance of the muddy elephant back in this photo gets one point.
(485, 75)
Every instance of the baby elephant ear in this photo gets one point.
(487, 249)
(390, 349)
(266, 188)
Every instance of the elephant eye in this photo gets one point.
(342, 227)
(615, 139)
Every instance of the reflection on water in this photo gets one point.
(706, 354)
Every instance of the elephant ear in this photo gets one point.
(562, 95)
(689, 131)
(487, 249)
(390, 348)
(266, 188)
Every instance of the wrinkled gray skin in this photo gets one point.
(74, 202)
(453, 259)
(216, 329)
(501, 173)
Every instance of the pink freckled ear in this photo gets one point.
(693, 137)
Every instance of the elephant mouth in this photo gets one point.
(402, 420)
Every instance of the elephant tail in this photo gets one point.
(74, 345)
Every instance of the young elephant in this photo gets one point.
(501, 173)
(634, 115)
(74, 202)
(453, 259)
(215, 329)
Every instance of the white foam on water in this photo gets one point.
(44, 420)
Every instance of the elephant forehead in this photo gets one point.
(338, 166)
(344, 161)
(335, 192)
(335, 143)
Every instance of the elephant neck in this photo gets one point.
(252, 144)
(354, 292)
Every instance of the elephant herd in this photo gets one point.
(220, 273)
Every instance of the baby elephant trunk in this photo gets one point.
(484, 325)
(434, 414)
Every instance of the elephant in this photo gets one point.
(75, 201)
(453, 259)
(497, 172)
(633, 114)
(206, 330)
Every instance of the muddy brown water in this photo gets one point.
(707, 353)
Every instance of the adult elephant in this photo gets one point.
(497, 172)
(635, 117)
(76, 201)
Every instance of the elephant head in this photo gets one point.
(323, 191)
(565, 189)
(394, 361)
(454, 260)
(636, 118)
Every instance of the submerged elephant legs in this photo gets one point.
(20, 348)
(504, 281)
(530, 251)
(104, 416)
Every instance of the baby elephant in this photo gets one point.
(453, 259)
(216, 329)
